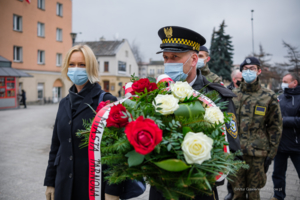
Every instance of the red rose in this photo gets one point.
(115, 117)
(140, 85)
(101, 105)
(143, 135)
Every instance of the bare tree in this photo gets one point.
(263, 57)
(136, 52)
(293, 56)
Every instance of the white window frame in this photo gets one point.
(59, 34)
(59, 9)
(17, 24)
(121, 63)
(41, 57)
(41, 4)
(58, 59)
(40, 87)
(41, 29)
(18, 54)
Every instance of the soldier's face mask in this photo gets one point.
(200, 63)
(249, 75)
(175, 70)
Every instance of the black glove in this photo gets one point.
(268, 162)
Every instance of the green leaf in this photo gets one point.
(189, 110)
(134, 158)
(172, 165)
(186, 129)
(152, 80)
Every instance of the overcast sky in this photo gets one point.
(140, 20)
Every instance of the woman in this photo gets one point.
(68, 168)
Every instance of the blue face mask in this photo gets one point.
(77, 75)
(200, 63)
(249, 75)
(175, 71)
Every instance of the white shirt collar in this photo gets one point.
(192, 83)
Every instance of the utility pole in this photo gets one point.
(252, 31)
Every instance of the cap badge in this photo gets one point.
(168, 32)
(248, 60)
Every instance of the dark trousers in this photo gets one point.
(279, 173)
(24, 102)
(156, 195)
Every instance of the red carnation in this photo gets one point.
(140, 85)
(143, 135)
(115, 117)
(101, 105)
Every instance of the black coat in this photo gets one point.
(68, 165)
(233, 138)
(290, 109)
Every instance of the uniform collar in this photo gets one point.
(192, 83)
(205, 70)
(250, 87)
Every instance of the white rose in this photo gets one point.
(196, 147)
(181, 90)
(168, 104)
(214, 115)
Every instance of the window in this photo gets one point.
(106, 66)
(18, 54)
(59, 9)
(122, 66)
(40, 90)
(41, 4)
(152, 71)
(41, 29)
(7, 87)
(17, 23)
(58, 34)
(58, 59)
(41, 57)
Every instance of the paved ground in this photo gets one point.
(25, 136)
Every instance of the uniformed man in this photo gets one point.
(180, 48)
(236, 77)
(203, 59)
(259, 127)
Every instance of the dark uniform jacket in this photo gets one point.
(231, 86)
(68, 166)
(259, 119)
(290, 109)
(232, 135)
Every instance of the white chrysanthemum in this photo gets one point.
(168, 104)
(196, 147)
(214, 115)
(181, 90)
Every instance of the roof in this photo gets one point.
(7, 71)
(104, 48)
(2, 59)
(158, 62)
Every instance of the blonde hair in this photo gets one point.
(90, 62)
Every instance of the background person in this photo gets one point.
(23, 98)
(203, 59)
(259, 127)
(236, 77)
(68, 168)
(290, 141)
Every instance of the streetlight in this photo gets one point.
(252, 31)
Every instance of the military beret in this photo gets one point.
(179, 39)
(203, 48)
(249, 61)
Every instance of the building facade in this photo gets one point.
(155, 68)
(116, 64)
(35, 36)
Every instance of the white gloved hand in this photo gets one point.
(49, 193)
(110, 197)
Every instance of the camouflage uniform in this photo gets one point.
(259, 125)
(210, 76)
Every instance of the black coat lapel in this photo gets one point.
(88, 99)
(67, 106)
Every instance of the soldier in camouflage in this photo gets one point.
(202, 64)
(259, 125)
